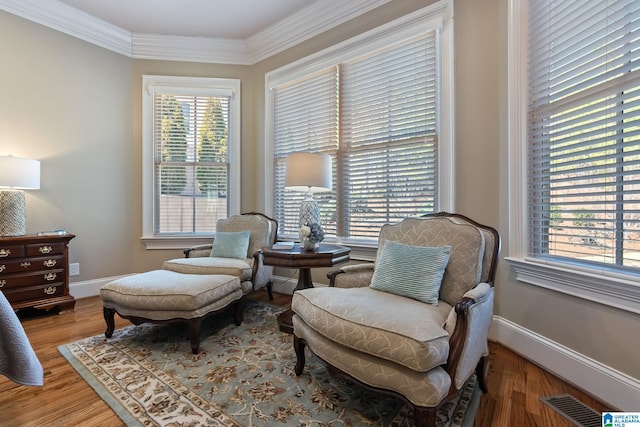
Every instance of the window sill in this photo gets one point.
(181, 242)
(614, 290)
(361, 252)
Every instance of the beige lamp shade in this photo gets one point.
(16, 174)
(308, 172)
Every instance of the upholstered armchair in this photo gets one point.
(415, 323)
(236, 256)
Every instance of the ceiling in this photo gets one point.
(215, 31)
(227, 19)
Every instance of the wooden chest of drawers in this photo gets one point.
(34, 271)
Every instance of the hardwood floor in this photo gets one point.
(515, 385)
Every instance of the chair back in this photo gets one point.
(263, 230)
(474, 248)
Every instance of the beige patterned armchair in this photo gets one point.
(252, 272)
(421, 352)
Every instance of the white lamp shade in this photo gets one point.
(19, 173)
(308, 172)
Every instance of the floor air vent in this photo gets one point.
(574, 410)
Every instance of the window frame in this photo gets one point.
(195, 86)
(438, 16)
(597, 284)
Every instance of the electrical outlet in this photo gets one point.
(74, 269)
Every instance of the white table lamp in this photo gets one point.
(16, 174)
(309, 173)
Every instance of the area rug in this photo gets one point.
(243, 376)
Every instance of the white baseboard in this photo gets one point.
(610, 386)
(284, 285)
(603, 382)
(90, 288)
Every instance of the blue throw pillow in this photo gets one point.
(231, 244)
(411, 271)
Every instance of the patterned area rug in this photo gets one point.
(243, 376)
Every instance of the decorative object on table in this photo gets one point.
(16, 174)
(309, 173)
(312, 235)
(243, 376)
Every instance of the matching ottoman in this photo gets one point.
(163, 296)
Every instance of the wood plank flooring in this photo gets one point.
(515, 385)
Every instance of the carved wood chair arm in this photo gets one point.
(187, 252)
(358, 275)
(459, 336)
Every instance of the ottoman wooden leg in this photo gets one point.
(270, 289)
(238, 310)
(109, 315)
(194, 334)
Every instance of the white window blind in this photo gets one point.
(583, 131)
(305, 119)
(191, 162)
(376, 115)
(389, 141)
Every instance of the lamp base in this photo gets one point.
(309, 212)
(12, 213)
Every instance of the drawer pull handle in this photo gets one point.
(50, 263)
(2, 267)
(2, 283)
(50, 290)
(4, 253)
(25, 264)
(45, 249)
(50, 276)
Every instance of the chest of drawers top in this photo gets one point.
(32, 245)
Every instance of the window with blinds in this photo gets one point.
(376, 114)
(305, 119)
(190, 155)
(584, 132)
(191, 162)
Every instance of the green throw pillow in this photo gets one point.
(411, 271)
(231, 244)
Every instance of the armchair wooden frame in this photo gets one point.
(426, 416)
(257, 256)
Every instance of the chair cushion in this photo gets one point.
(411, 271)
(230, 244)
(420, 388)
(392, 327)
(467, 249)
(241, 268)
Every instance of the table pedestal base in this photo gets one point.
(304, 279)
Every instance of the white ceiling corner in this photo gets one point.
(318, 17)
(71, 21)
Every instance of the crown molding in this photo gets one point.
(66, 19)
(190, 49)
(306, 23)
